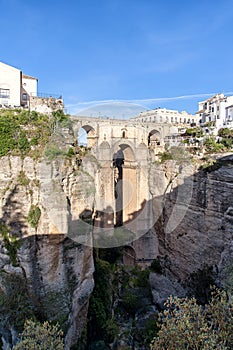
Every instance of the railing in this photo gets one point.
(45, 95)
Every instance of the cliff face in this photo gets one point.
(43, 263)
(195, 217)
(46, 260)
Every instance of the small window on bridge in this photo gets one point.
(123, 134)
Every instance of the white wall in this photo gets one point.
(30, 85)
(10, 78)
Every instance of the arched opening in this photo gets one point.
(123, 134)
(125, 183)
(82, 137)
(129, 256)
(86, 136)
(154, 138)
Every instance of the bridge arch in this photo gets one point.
(126, 148)
(154, 138)
(125, 182)
(88, 133)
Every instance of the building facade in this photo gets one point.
(217, 110)
(20, 90)
(163, 115)
(16, 87)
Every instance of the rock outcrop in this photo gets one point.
(49, 259)
(194, 217)
(46, 214)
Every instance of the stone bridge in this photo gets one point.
(111, 130)
(123, 202)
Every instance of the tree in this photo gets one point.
(187, 325)
(36, 336)
(225, 132)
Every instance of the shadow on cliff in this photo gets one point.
(177, 225)
(12, 214)
(192, 221)
(190, 224)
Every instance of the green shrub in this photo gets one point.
(23, 179)
(195, 132)
(18, 127)
(111, 329)
(225, 132)
(156, 266)
(23, 143)
(150, 329)
(53, 151)
(131, 302)
(15, 303)
(186, 325)
(11, 243)
(34, 216)
(227, 142)
(212, 146)
(165, 156)
(70, 152)
(36, 336)
(141, 277)
(100, 302)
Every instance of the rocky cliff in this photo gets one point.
(193, 208)
(46, 258)
(45, 271)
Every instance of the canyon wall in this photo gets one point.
(43, 264)
(193, 210)
(47, 264)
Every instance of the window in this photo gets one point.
(24, 97)
(4, 93)
(212, 109)
(217, 108)
(123, 134)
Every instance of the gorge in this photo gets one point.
(61, 214)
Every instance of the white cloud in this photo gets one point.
(128, 108)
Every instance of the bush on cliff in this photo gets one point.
(186, 325)
(36, 336)
(26, 133)
(34, 216)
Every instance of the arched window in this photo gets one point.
(123, 134)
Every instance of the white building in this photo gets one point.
(218, 110)
(163, 115)
(16, 87)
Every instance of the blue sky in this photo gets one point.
(121, 50)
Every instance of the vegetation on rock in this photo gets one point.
(186, 325)
(15, 303)
(100, 308)
(11, 243)
(195, 132)
(34, 216)
(36, 336)
(26, 133)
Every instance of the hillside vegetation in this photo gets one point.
(26, 133)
